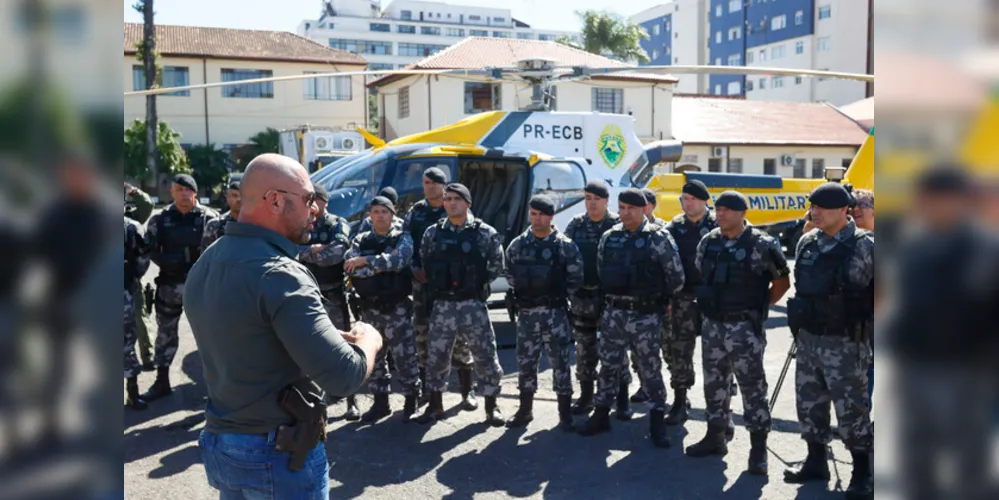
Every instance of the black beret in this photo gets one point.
(186, 181)
(460, 190)
(831, 195)
(944, 179)
(597, 187)
(234, 184)
(732, 200)
(389, 192)
(435, 174)
(543, 204)
(633, 197)
(321, 192)
(650, 196)
(697, 189)
(382, 201)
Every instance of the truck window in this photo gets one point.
(351, 190)
(562, 180)
(408, 178)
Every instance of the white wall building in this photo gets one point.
(407, 31)
(678, 34)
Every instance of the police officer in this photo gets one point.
(324, 257)
(175, 237)
(378, 264)
(389, 193)
(421, 216)
(585, 231)
(216, 228)
(743, 272)
(687, 229)
(832, 317)
(136, 265)
(543, 268)
(140, 209)
(462, 256)
(639, 269)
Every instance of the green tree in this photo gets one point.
(170, 158)
(608, 34)
(373, 124)
(265, 141)
(209, 166)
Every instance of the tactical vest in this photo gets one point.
(730, 283)
(687, 236)
(325, 234)
(457, 269)
(630, 268)
(131, 260)
(388, 286)
(422, 217)
(832, 304)
(179, 239)
(539, 273)
(586, 236)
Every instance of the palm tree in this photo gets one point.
(147, 54)
(610, 35)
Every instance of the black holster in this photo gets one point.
(149, 295)
(798, 315)
(308, 428)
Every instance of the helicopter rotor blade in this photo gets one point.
(721, 70)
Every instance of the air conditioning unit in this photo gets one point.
(787, 160)
(322, 143)
(719, 152)
(347, 143)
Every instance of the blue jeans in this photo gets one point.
(246, 466)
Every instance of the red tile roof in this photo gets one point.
(226, 43)
(706, 120)
(483, 52)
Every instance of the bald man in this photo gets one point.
(257, 343)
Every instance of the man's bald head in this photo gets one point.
(278, 195)
(271, 171)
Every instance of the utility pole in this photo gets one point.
(149, 62)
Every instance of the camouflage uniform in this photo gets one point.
(665, 325)
(455, 316)
(384, 285)
(587, 302)
(327, 264)
(143, 208)
(832, 366)
(216, 229)
(636, 283)
(734, 300)
(136, 265)
(365, 225)
(551, 268)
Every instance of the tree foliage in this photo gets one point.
(209, 166)
(170, 159)
(265, 141)
(608, 34)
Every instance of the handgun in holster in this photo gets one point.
(308, 429)
(511, 305)
(149, 296)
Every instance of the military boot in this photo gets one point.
(862, 482)
(678, 412)
(353, 413)
(639, 396)
(494, 416)
(599, 422)
(657, 429)
(434, 410)
(712, 444)
(379, 410)
(409, 409)
(134, 401)
(758, 454)
(815, 468)
(525, 414)
(468, 402)
(623, 410)
(584, 404)
(424, 394)
(161, 387)
(565, 413)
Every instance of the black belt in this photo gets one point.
(732, 317)
(643, 306)
(382, 302)
(553, 302)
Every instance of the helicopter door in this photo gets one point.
(563, 180)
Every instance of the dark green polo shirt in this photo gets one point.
(259, 322)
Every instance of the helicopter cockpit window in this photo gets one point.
(562, 180)
(408, 178)
(351, 190)
(640, 173)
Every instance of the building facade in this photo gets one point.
(677, 35)
(407, 31)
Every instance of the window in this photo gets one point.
(430, 30)
(478, 32)
(749, 85)
(763, 55)
(404, 102)
(608, 100)
(818, 168)
(379, 66)
(655, 29)
(735, 59)
(405, 28)
(419, 49)
(502, 34)
(825, 12)
(799, 47)
(481, 97)
(749, 57)
(824, 44)
(406, 14)
(171, 76)
(778, 82)
(799, 17)
(778, 22)
(499, 20)
(718, 61)
(525, 36)
(734, 5)
(846, 162)
(454, 32)
(351, 191)
(769, 166)
(668, 25)
(735, 33)
(562, 181)
(385, 28)
(797, 80)
(250, 90)
(734, 88)
(718, 38)
(718, 89)
(668, 50)
(655, 54)
(735, 165)
(718, 10)
(777, 52)
(547, 38)
(408, 179)
(799, 168)
(362, 46)
(333, 88)
(474, 18)
(714, 164)
(763, 83)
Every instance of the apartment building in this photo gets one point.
(678, 34)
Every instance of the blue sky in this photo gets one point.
(285, 15)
